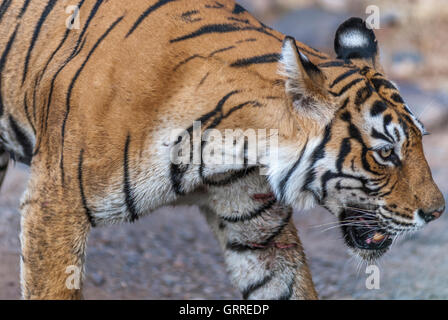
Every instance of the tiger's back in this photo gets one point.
(69, 88)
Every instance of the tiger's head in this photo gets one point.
(367, 165)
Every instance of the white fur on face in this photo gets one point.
(288, 157)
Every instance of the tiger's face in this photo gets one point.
(373, 174)
(369, 168)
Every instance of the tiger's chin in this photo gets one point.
(363, 235)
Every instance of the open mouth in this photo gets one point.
(363, 232)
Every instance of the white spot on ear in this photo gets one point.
(353, 39)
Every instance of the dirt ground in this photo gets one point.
(172, 254)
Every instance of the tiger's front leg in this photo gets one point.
(53, 238)
(262, 250)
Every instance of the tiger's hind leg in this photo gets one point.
(53, 238)
(262, 250)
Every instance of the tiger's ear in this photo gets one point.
(305, 82)
(302, 75)
(355, 40)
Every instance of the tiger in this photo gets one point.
(92, 110)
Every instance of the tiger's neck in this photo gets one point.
(225, 98)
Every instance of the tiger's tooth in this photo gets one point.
(378, 237)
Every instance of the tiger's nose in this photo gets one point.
(430, 216)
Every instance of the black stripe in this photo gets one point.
(22, 140)
(266, 58)
(4, 7)
(201, 57)
(378, 135)
(246, 40)
(24, 8)
(27, 113)
(180, 64)
(81, 190)
(255, 286)
(92, 14)
(363, 94)
(229, 180)
(145, 14)
(318, 154)
(346, 148)
(238, 9)
(252, 215)
(343, 76)
(246, 21)
(280, 228)
(3, 62)
(378, 108)
(54, 53)
(397, 134)
(346, 87)
(285, 180)
(61, 43)
(356, 134)
(48, 8)
(344, 105)
(187, 16)
(127, 188)
(378, 83)
(203, 79)
(336, 63)
(177, 171)
(72, 84)
(43, 124)
(397, 98)
(240, 247)
(221, 28)
(221, 50)
(217, 5)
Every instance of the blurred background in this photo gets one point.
(172, 254)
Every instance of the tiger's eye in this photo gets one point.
(385, 152)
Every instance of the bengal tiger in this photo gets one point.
(92, 111)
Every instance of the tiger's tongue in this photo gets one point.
(377, 237)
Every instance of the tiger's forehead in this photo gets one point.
(362, 84)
